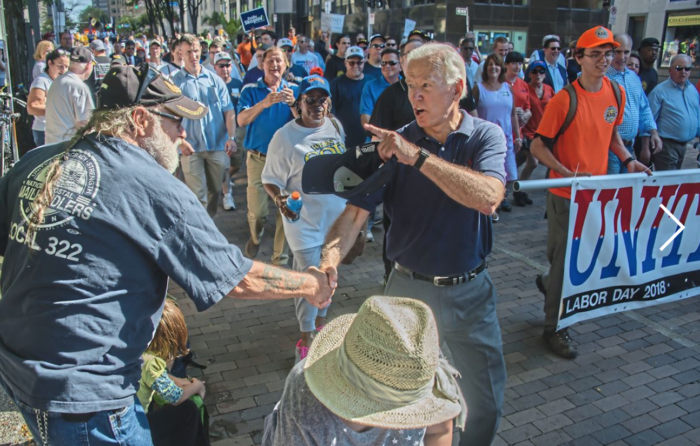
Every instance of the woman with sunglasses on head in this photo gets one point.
(57, 62)
(540, 95)
(495, 103)
(313, 133)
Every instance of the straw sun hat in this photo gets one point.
(382, 367)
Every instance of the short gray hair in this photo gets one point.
(442, 59)
(678, 56)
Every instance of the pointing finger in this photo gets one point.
(381, 133)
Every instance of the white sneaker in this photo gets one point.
(229, 204)
(370, 237)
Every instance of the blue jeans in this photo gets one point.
(123, 427)
(615, 164)
(307, 313)
(39, 137)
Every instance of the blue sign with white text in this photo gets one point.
(255, 18)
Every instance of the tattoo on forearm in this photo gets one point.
(276, 279)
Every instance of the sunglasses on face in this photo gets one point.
(391, 45)
(313, 101)
(555, 48)
(177, 119)
(354, 63)
(364, 48)
(224, 65)
(378, 45)
(467, 48)
(679, 68)
(391, 63)
(537, 71)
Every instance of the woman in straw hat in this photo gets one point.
(372, 378)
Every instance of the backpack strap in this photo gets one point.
(618, 94)
(573, 104)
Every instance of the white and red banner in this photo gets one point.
(614, 256)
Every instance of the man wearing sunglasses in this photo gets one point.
(373, 66)
(212, 138)
(555, 74)
(346, 91)
(539, 54)
(303, 57)
(467, 51)
(86, 272)
(581, 150)
(676, 107)
(391, 69)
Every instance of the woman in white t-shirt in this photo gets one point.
(314, 133)
(57, 63)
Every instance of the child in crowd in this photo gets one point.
(173, 406)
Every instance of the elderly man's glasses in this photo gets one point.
(313, 101)
(378, 45)
(599, 56)
(176, 119)
(355, 63)
(391, 63)
(679, 68)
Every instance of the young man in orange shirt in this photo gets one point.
(246, 49)
(581, 150)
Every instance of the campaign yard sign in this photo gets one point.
(255, 18)
(624, 250)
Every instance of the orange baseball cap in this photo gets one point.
(597, 36)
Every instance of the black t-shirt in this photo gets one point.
(393, 109)
(335, 67)
(468, 103)
(650, 78)
(320, 48)
(573, 68)
(371, 70)
(346, 94)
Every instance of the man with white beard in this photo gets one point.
(90, 230)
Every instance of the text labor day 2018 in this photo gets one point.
(614, 260)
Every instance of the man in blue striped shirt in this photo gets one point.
(637, 117)
(675, 104)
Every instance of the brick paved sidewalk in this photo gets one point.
(636, 381)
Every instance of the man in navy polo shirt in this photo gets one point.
(449, 180)
(212, 138)
(265, 107)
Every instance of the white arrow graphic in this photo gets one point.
(673, 217)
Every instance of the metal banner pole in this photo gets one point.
(521, 186)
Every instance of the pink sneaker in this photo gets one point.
(301, 352)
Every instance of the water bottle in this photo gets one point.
(294, 204)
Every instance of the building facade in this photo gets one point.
(676, 23)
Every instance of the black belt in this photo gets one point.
(443, 280)
(255, 152)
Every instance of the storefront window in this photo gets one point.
(682, 33)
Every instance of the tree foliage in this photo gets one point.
(231, 27)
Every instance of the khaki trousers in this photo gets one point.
(203, 173)
(258, 211)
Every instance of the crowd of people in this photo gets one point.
(138, 145)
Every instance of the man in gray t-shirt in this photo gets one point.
(69, 102)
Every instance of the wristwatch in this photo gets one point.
(627, 161)
(232, 138)
(422, 156)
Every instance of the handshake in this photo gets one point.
(327, 281)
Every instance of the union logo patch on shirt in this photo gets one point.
(610, 114)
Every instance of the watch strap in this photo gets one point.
(627, 161)
(422, 156)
